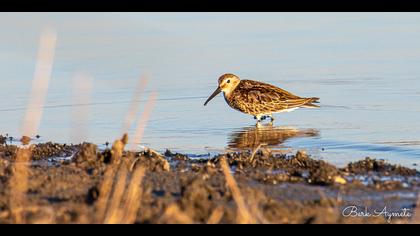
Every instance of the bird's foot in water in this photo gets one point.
(259, 118)
(264, 117)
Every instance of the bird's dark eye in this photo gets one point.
(228, 81)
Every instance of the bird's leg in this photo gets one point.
(271, 119)
(258, 118)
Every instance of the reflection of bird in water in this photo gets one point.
(252, 137)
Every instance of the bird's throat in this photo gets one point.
(227, 94)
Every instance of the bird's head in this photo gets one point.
(227, 83)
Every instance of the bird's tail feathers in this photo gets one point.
(310, 103)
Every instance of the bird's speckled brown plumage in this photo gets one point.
(257, 98)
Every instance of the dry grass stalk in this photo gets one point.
(174, 214)
(254, 152)
(243, 215)
(107, 185)
(105, 191)
(18, 185)
(113, 212)
(216, 215)
(25, 140)
(141, 124)
(40, 83)
(134, 104)
(120, 202)
(117, 203)
(133, 197)
(125, 201)
(133, 164)
(258, 215)
(118, 148)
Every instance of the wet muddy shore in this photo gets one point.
(82, 184)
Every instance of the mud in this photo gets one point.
(64, 185)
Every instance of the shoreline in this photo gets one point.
(238, 187)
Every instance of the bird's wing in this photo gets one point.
(271, 91)
(300, 103)
(262, 97)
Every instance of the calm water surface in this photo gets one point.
(365, 67)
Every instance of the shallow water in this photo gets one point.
(365, 67)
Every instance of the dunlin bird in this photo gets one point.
(259, 99)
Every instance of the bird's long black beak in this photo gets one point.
(217, 91)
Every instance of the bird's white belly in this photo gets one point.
(287, 110)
